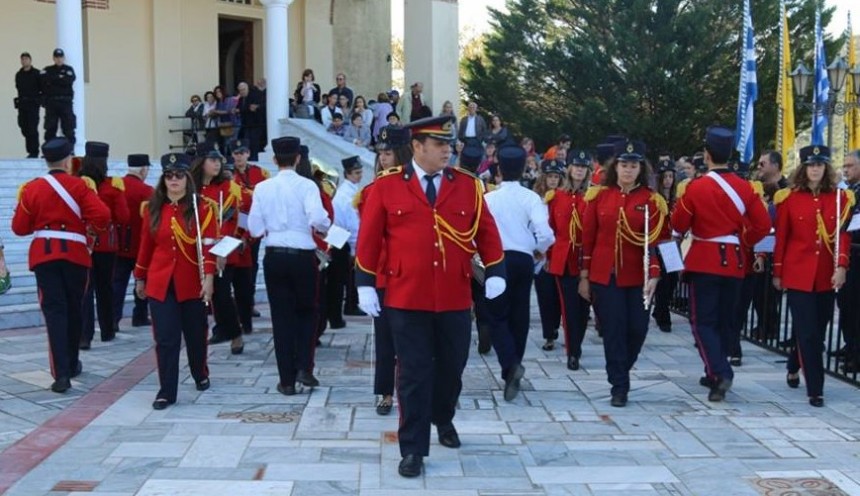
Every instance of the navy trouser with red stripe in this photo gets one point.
(714, 301)
(61, 290)
(810, 314)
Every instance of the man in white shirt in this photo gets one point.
(523, 222)
(286, 209)
(472, 126)
(340, 272)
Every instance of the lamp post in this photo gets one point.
(837, 72)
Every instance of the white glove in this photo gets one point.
(494, 286)
(368, 301)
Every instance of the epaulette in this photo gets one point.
(549, 196)
(464, 171)
(492, 187)
(236, 190)
(21, 191)
(389, 171)
(143, 206)
(117, 183)
(662, 206)
(90, 183)
(852, 198)
(210, 202)
(758, 187)
(682, 188)
(592, 192)
(781, 195)
(328, 188)
(265, 172)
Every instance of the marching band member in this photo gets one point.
(666, 287)
(810, 260)
(175, 271)
(624, 219)
(56, 209)
(723, 212)
(548, 298)
(566, 209)
(339, 271)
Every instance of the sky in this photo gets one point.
(474, 17)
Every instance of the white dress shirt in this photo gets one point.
(421, 173)
(345, 215)
(522, 218)
(285, 209)
(470, 127)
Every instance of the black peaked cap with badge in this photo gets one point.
(552, 167)
(630, 150)
(815, 154)
(579, 157)
(665, 165)
(57, 149)
(439, 127)
(175, 162)
(391, 137)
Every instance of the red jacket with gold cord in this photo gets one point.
(112, 193)
(613, 230)
(360, 201)
(250, 178)
(329, 208)
(170, 253)
(806, 237)
(42, 211)
(566, 210)
(137, 193)
(226, 198)
(430, 249)
(719, 231)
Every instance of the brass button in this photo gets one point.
(435, 264)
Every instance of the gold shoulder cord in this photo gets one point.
(625, 233)
(829, 238)
(463, 239)
(184, 239)
(575, 223)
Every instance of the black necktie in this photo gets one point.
(430, 190)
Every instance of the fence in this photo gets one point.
(767, 323)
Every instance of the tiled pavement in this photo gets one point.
(559, 437)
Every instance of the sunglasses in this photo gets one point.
(170, 175)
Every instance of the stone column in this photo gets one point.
(432, 50)
(70, 37)
(276, 49)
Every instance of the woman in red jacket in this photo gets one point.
(613, 260)
(806, 262)
(168, 272)
(566, 208)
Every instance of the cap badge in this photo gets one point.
(630, 148)
(582, 155)
(816, 151)
(172, 159)
(446, 127)
(384, 135)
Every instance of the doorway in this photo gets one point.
(235, 52)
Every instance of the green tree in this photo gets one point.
(658, 70)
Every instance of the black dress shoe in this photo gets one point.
(816, 401)
(735, 361)
(106, 338)
(255, 313)
(706, 381)
(79, 368)
(793, 382)
(619, 400)
(448, 436)
(337, 325)
(410, 466)
(665, 327)
(484, 341)
(218, 339)
(61, 385)
(141, 323)
(384, 406)
(719, 390)
(286, 390)
(788, 343)
(307, 379)
(203, 385)
(354, 312)
(512, 383)
(85, 345)
(161, 403)
(237, 350)
(572, 363)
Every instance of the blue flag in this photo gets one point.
(748, 90)
(820, 96)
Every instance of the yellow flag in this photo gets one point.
(852, 117)
(785, 94)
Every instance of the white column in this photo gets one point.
(432, 50)
(276, 49)
(70, 37)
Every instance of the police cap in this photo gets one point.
(439, 127)
(175, 161)
(815, 154)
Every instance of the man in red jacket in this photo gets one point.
(57, 208)
(136, 193)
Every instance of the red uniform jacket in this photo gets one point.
(112, 193)
(597, 175)
(225, 196)
(243, 253)
(170, 253)
(249, 179)
(383, 255)
(708, 212)
(40, 208)
(430, 250)
(565, 218)
(613, 234)
(805, 238)
(329, 208)
(136, 193)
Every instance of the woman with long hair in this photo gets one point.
(808, 264)
(359, 106)
(231, 316)
(613, 260)
(548, 298)
(566, 208)
(497, 131)
(666, 187)
(307, 96)
(169, 273)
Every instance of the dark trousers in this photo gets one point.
(28, 122)
(101, 284)
(291, 282)
(61, 287)
(624, 323)
(509, 312)
(549, 304)
(338, 274)
(766, 300)
(321, 315)
(810, 314)
(662, 297)
(171, 321)
(479, 302)
(255, 266)
(122, 270)
(59, 111)
(714, 300)
(431, 349)
(383, 375)
(243, 292)
(224, 308)
(741, 315)
(574, 314)
(849, 310)
(254, 137)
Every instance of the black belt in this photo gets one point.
(288, 251)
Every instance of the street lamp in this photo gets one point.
(800, 79)
(837, 72)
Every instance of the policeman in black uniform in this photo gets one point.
(57, 81)
(29, 98)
